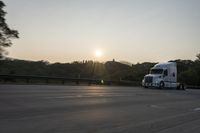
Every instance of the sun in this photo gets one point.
(98, 53)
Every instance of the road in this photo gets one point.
(93, 109)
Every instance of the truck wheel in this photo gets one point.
(162, 85)
(178, 87)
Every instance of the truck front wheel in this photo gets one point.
(162, 85)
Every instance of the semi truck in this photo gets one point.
(162, 75)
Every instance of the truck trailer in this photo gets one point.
(162, 75)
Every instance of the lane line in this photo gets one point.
(197, 109)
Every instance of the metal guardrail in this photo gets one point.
(46, 79)
(64, 80)
(192, 87)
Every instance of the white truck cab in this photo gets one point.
(162, 75)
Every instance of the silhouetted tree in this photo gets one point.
(188, 70)
(6, 34)
(198, 57)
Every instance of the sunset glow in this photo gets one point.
(98, 53)
(130, 30)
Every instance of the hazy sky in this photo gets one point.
(130, 30)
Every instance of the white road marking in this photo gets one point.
(85, 96)
(197, 109)
(157, 106)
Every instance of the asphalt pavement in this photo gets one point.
(97, 109)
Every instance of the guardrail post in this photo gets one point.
(47, 81)
(63, 81)
(27, 80)
(89, 82)
(77, 81)
(4, 80)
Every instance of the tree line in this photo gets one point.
(188, 70)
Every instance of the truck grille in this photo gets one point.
(148, 79)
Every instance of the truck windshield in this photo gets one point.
(156, 71)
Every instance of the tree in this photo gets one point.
(6, 34)
(198, 57)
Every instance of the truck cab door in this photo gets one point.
(165, 75)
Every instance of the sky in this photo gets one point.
(124, 30)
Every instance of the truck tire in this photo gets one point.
(162, 85)
(178, 87)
